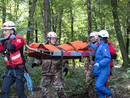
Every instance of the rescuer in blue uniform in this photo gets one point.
(101, 67)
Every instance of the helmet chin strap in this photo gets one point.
(94, 42)
(50, 42)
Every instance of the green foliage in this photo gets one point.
(127, 74)
(119, 81)
(75, 79)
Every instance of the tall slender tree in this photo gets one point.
(32, 5)
(3, 11)
(128, 29)
(101, 16)
(60, 23)
(72, 24)
(30, 33)
(47, 20)
(95, 23)
(89, 16)
(119, 33)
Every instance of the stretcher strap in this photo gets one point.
(61, 52)
(61, 48)
(71, 45)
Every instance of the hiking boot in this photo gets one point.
(111, 96)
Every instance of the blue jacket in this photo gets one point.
(102, 56)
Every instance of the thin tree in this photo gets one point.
(119, 33)
(95, 23)
(3, 11)
(60, 23)
(101, 16)
(31, 21)
(30, 33)
(89, 16)
(47, 21)
(72, 23)
(128, 30)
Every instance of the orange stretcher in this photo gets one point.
(72, 50)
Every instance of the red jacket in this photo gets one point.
(112, 52)
(14, 45)
(18, 42)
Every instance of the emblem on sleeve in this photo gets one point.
(18, 40)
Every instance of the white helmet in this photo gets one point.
(8, 25)
(95, 34)
(103, 33)
(51, 34)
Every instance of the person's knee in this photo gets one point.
(4, 91)
(21, 94)
(98, 87)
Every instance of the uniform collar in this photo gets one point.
(101, 42)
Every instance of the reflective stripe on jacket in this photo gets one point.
(15, 59)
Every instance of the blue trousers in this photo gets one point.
(100, 85)
(10, 77)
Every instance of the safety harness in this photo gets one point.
(14, 60)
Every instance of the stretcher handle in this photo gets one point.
(40, 51)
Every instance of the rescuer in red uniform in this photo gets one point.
(12, 49)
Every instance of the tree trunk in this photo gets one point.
(54, 21)
(119, 33)
(10, 16)
(72, 24)
(60, 22)
(47, 23)
(128, 30)
(128, 39)
(31, 21)
(36, 31)
(89, 16)
(30, 34)
(101, 18)
(3, 11)
(16, 9)
(42, 14)
(95, 23)
(73, 63)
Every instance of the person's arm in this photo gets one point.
(1, 47)
(112, 51)
(106, 56)
(93, 46)
(15, 44)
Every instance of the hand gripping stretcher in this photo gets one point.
(72, 50)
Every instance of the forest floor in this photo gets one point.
(119, 84)
(75, 86)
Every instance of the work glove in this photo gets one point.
(12, 37)
(96, 64)
(34, 65)
(29, 82)
(65, 71)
